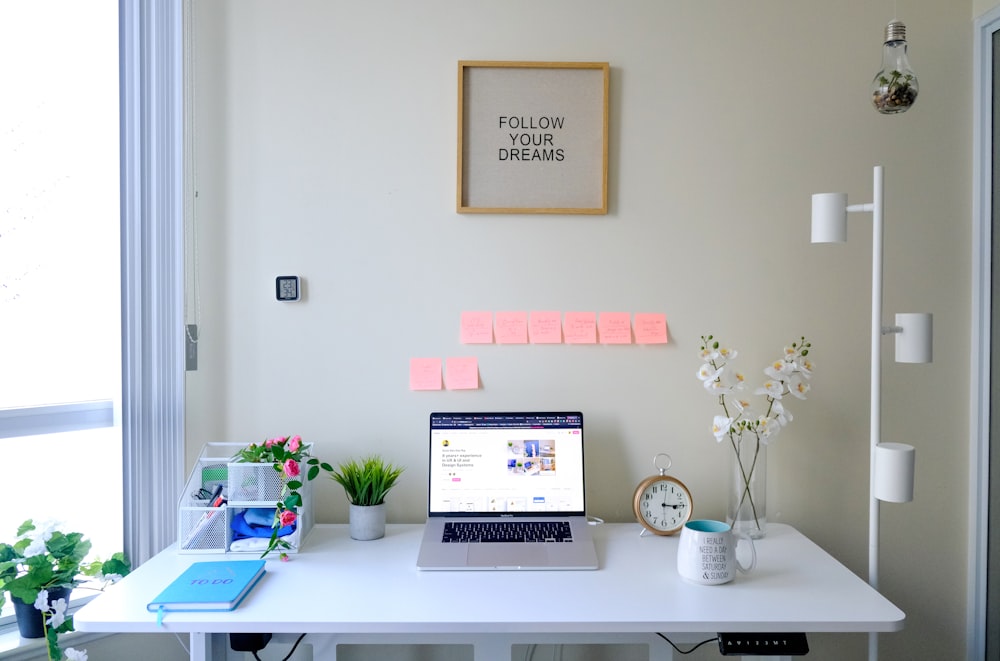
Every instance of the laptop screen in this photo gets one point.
(513, 464)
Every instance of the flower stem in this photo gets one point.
(745, 478)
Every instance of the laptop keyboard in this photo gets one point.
(507, 531)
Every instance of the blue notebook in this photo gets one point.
(209, 586)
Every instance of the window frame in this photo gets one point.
(152, 259)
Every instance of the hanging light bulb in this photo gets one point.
(894, 88)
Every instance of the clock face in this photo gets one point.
(662, 504)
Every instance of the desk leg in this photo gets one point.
(208, 646)
(201, 646)
(491, 648)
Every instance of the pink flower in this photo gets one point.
(269, 442)
(294, 443)
(287, 518)
(291, 468)
(284, 557)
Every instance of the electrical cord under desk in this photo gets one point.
(680, 651)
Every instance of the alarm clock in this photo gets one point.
(662, 504)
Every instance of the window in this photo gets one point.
(60, 340)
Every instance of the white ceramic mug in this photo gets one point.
(707, 553)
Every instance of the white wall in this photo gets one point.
(326, 135)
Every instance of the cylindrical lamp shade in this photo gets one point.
(894, 464)
(915, 342)
(829, 218)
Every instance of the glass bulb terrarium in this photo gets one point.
(894, 88)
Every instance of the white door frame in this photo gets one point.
(982, 245)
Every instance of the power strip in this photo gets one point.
(763, 644)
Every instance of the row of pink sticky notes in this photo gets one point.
(553, 327)
(461, 373)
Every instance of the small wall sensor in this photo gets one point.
(286, 287)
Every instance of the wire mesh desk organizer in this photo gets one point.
(228, 507)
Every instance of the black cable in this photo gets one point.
(680, 651)
(292, 651)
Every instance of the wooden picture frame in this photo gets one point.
(532, 137)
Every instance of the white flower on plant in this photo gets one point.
(779, 370)
(767, 428)
(75, 655)
(782, 415)
(721, 426)
(58, 615)
(773, 388)
(38, 538)
(55, 611)
(709, 373)
(742, 406)
(798, 388)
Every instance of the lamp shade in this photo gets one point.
(829, 218)
(894, 464)
(914, 343)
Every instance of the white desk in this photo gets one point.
(344, 591)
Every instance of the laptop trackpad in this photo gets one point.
(504, 556)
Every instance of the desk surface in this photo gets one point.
(339, 585)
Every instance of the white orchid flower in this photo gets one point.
(741, 405)
(708, 373)
(781, 414)
(728, 354)
(721, 426)
(798, 388)
(767, 429)
(772, 388)
(741, 380)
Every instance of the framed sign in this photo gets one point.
(533, 137)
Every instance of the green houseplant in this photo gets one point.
(366, 483)
(43, 560)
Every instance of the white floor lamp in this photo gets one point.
(891, 464)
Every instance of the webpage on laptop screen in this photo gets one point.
(515, 464)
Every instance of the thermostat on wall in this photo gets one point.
(286, 287)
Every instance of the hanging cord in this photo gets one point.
(192, 274)
(680, 651)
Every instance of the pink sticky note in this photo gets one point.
(545, 327)
(511, 328)
(650, 328)
(425, 374)
(477, 328)
(461, 373)
(580, 328)
(614, 328)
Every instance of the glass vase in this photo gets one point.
(747, 511)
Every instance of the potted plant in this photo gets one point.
(366, 483)
(40, 569)
(289, 457)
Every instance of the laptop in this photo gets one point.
(506, 492)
